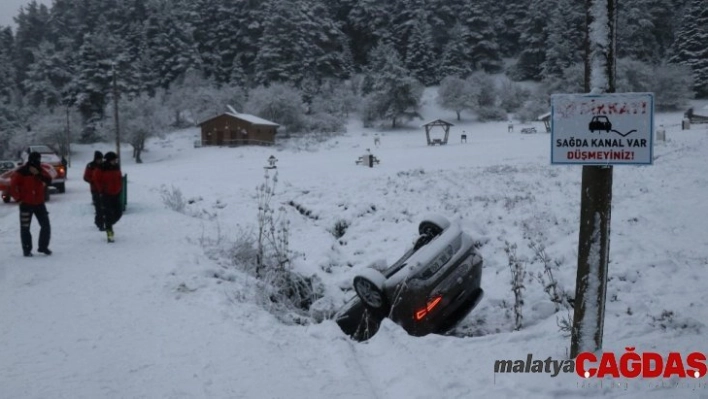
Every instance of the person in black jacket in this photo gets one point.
(109, 181)
(95, 198)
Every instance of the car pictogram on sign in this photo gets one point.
(600, 123)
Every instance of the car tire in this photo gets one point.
(369, 287)
(6, 199)
(61, 187)
(433, 224)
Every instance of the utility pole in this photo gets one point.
(596, 191)
(115, 110)
(68, 136)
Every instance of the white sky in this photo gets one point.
(154, 315)
(10, 8)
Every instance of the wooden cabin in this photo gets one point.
(233, 129)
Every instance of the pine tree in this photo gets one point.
(331, 54)
(93, 81)
(455, 60)
(169, 46)
(369, 23)
(395, 95)
(7, 67)
(690, 47)
(207, 42)
(441, 16)
(248, 32)
(48, 78)
(420, 57)
(282, 48)
(300, 41)
(509, 15)
(481, 38)
(565, 38)
(533, 41)
(32, 22)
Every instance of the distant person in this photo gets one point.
(65, 164)
(95, 200)
(109, 182)
(28, 187)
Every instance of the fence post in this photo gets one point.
(124, 192)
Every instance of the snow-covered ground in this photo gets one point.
(159, 314)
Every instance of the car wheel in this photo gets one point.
(433, 225)
(369, 286)
(6, 199)
(61, 187)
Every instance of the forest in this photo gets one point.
(310, 64)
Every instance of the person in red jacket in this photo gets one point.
(88, 178)
(27, 187)
(109, 183)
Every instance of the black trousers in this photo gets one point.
(112, 210)
(98, 208)
(45, 230)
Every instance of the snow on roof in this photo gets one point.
(439, 121)
(252, 119)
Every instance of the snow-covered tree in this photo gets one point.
(512, 95)
(565, 37)
(368, 23)
(142, 117)
(394, 95)
(690, 48)
(300, 41)
(672, 86)
(420, 58)
(169, 45)
(455, 59)
(280, 103)
(508, 17)
(192, 98)
(32, 28)
(7, 67)
(480, 38)
(49, 77)
(93, 80)
(533, 41)
(456, 94)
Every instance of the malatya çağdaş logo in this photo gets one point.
(630, 364)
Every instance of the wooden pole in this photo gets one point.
(596, 199)
(115, 111)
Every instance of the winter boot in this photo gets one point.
(109, 234)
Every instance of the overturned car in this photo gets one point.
(430, 289)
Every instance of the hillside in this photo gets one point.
(165, 312)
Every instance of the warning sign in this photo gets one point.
(608, 129)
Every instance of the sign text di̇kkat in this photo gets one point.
(608, 129)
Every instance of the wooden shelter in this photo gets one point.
(234, 129)
(546, 119)
(694, 118)
(435, 124)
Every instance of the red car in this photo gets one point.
(7, 176)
